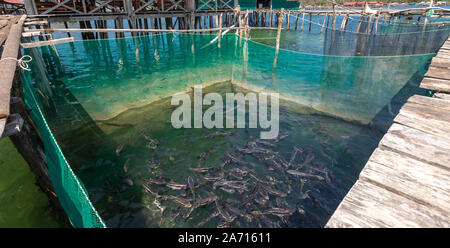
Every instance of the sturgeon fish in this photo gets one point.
(125, 166)
(176, 186)
(301, 174)
(200, 169)
(155, 181)
(280, 211)
(184, 202)
(119, 149)
(190, 183)
(149, 190)
(224, 214)
(212, 177)
(234, 159)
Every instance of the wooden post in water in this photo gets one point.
(273, 19)
(288, 20)
(238, 13)
(359, 24)
(277, 46)
(334, 16)
(368, 24)
(296, 20)
(270, 18)
(67, 27)
(310, 21)
(344, 22)
(280, 24)
(323, 24)
(216, 17)
(376, 25)
(247, 31)
(220, 28)
(303, 21)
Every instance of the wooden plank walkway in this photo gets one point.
(438, 76)
(406, 182)
(8, 65)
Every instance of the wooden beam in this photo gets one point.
(47, 42)
(8, 65)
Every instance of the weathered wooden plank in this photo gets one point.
(36, 23)
(47, 42)
(421, 145)
(424, 118)
(368, 205)
(440, 85)
(440, 62)
(442, 96)
(430, 101)
(444, 54)
(413, 179)
(4, 31)
(437, 72)
(446, 45)
(31, 34)
(8, 66)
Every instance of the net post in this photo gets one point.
(280, 24)
(324, 19)
(303, 21)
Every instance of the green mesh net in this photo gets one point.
(69, 189)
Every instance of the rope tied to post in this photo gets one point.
(22, 62)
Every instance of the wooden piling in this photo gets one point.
(303, 21)
(359, 24)
(220, 29)
(323, 24)
(288, 20)
(368, 24)
(310, 22)
(280, 24)
(376, 25)
(334, 17)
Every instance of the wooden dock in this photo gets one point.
(406, 182)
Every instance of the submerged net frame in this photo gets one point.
(69, 188)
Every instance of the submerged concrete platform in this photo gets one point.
(406, 182)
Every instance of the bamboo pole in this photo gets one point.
(280, 24)
(334, 17)
(288, 20)
(220, 28)
(323, 24)
(376, 25)
(368, 23)
(277, 46)
(303, 21)
(310, 21)
(359, 24)
(91, 30)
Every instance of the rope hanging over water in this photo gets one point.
(22, 62)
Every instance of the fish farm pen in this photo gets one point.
(364, 108)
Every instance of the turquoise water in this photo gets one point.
(108, 105)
